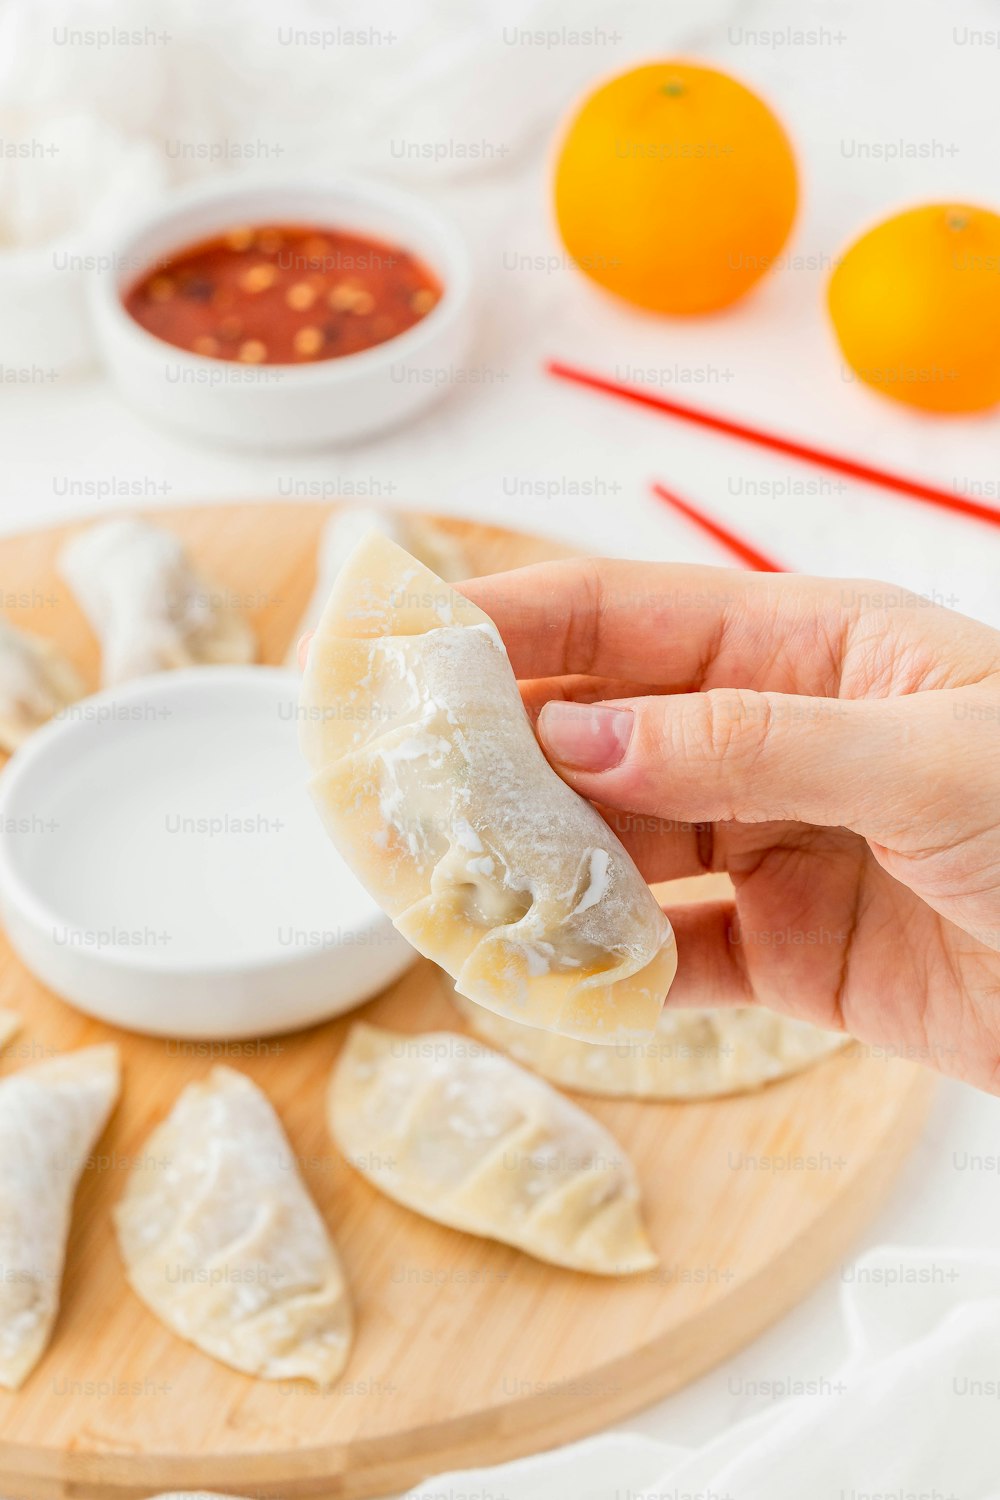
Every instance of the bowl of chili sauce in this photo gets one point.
(275, 316)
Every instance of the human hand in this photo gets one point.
(834, 746)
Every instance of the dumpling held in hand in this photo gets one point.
(435, 790)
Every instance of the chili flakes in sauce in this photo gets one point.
(283, 294)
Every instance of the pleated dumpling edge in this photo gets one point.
(462, 1135)
(51, 1116)
(221, 1239)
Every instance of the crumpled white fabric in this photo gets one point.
(422, 88)
(66, 182)
(68, 172)
(913, 1413)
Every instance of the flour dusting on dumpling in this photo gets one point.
(221, 1239)
(693, 1054)
(51, 1115)
(436, 792)
(464, 1136)
(148, 605)
(36, 682)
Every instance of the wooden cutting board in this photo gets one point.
(466, 1352)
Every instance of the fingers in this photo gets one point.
(670, 621)
(685, 628)
(537, 691)
(731, 755)
(710, 965)
(662, 848)
(712, 970)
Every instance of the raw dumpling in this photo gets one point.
(150, 609)
(464, 1136)
(221, 1239)
(51, 1116)
(345, 529)
(36, 682)
(435, 790)
(694, 1054)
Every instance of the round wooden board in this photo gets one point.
(466, 1352)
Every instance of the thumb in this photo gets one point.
(734, 755)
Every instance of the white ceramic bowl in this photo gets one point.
(164, 868)
(288, 406)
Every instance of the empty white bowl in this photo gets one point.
(288, 406)
(164, 867)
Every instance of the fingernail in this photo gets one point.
(585, 736)
(302, 649)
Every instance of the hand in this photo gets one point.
(834, 746)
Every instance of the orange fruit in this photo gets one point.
(916, 306)
(675, 187)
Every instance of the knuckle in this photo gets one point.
(708, 752)
(584, 622)
(735, 727)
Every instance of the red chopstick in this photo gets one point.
(746, 553)
(915, 489)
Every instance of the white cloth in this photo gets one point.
(912, 1413)
(425, 88)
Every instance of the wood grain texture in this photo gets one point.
(467, 1352)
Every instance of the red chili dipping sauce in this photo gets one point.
(282, 294)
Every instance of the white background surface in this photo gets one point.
(513, 446)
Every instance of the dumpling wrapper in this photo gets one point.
(36, 682)
(222, 1241)
(151, 610)
(464, 1136)
(51, 1116)
(694, 1054)
(341, 534)
(436, 792)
